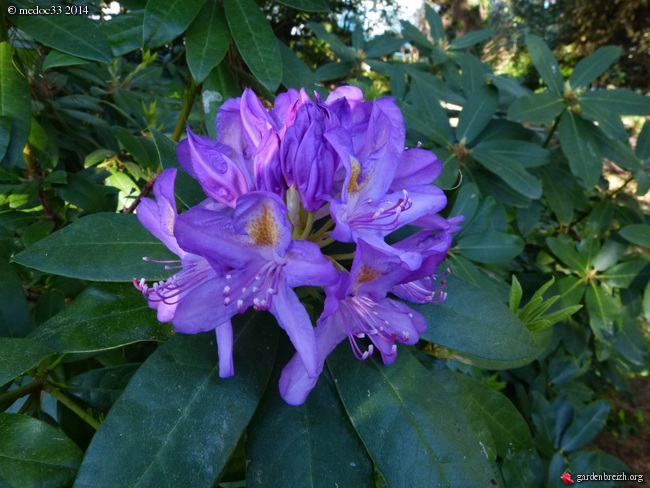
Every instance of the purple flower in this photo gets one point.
(357, 308)
(263, 265)
(159, 218)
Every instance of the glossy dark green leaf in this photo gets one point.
(34, 453)
(435, 23)
(164, 20)
(5, 135)
(604, 312)
(412, 33)
(492, 247)
(307, 5)
(622, 274)
(581, 149)
(643, 142)
(472, 321)
(476, 115)
(538, 108)
(19, 355)
(565, 250)
(424, 114)
(57, 59)
(596, 462)
(104, 316)
(100, 388)
(296, 74)
(345, 53)
(474, 72)
(219, 86)
(494, 419)
(14, 314)
(255, 41)
(608, 122)
(470, 39)
(334, 70)
(522, 153)
(468, 271)
(383, 46)
(124, 32)
(88, 195)
(545, 63)
(176, 403)
(586, 425)
(594, 65)
(313, 444)
(638, 234)
(99, 247)
(511, 171)
(466, 202)
(71, 34)
(49, 304)
(207, 40)
(619, 101)
(15, 107)
(401, 426)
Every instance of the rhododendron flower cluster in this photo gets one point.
(285, 187)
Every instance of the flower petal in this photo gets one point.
(417, 166)
(294, 319)
(225, 346)
(201, 309)
(295, 383)
(306, 265)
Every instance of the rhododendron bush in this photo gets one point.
(220, 267)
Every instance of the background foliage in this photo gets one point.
(548, 294)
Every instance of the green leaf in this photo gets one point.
(477, 114)
(18, 356)
(638, 234)
(564, 249)
(296, 74)
(219, 86)
(312, 444)
(104, 316)
(604, 312)
(255, 41)
(5, 135)
(33, 453)
(398, 424)
(164, 20)
(643, 142)
(494, 419)
(383, 46)
(188, 420)
(491, 247)
(522, 153)
(57, 59)
(538, 108)
(435, 23)
(72, 34)
(413, 34)
(345, 53)
(619, 101)
(466, 202)
(516, 293)
(334, 70)
(545, 63)
(99, 247)
(511, 171)
(124, 32)
(100, 388)
(471, 321)
(622, 274)
(470, 39)
(307, 5)
(581, 149)
(586, 425)
(207, 40)
(88, 195)
(608, 122)
(594, 65)
(15, 107)
(14, 314)
(425, 115)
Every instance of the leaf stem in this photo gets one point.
(308, 226)
(67, 401)
(327, 226)
(28, 389)
(342, 257)
(553, 129)
(187, 108)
